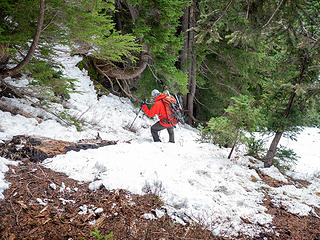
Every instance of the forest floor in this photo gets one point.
(44, 204)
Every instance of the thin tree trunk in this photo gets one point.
(188, 60)
(4, 55)
(133, 11)
(269, 158)
(34, 44)
(192, 86)
(184, 52)
(235, 140)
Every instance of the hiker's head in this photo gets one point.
(155, 93)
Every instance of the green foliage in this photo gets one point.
(285, 158)
(226, 73)
(146, 85)
(85, 23)
(98, 236)
(48, 77)
(249, 51)
(218, 131)
(89, 24)
(179, 81)
(243, 114)
(278, 89)
(241, 117)
(72, 120)
(157, 28)
(255, 147)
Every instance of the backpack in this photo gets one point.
(173, 110)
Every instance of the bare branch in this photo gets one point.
(125, 92)
(223, 13)
(154, 75)
(51, 21)
(274, 13)
(248, 8)
(222, 84)
(101, 72)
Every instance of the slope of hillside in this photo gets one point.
(194, 181)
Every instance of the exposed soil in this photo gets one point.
(32, 209)
(290, 226)
(43, 204)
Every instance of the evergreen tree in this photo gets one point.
(85, 26)
(265, 49)
(294, 84)
(156, 24)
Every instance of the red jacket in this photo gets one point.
(159, 109)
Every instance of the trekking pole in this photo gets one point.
(135, 117)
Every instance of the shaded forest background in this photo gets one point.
(239, 67)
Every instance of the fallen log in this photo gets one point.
(5, 107)
(37, 149)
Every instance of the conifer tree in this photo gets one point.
(295, 85)
(86, 26)
(267, 49)
(156, 25)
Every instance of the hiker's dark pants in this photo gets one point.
(158, 127)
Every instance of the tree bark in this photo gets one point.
(188, 60)
(192, 87)
(269, 158)
(234, 143)
(184, 52)
(34, 44)
(113, 71)
(4, 56)
(133, 11)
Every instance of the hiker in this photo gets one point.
(158, 108)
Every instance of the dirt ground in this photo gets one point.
(43, 204)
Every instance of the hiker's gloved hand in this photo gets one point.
(143, 103)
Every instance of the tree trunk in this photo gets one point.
(188, 60)
(4, 56)
(192, 87)
(34, 44)
(133, 11)
(185, 51)
(235, 140)
(113, 71)
(268, 159)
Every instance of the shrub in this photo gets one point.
(218, 131)
(285, 158)
(98, 236)
(255, 147)
(48, 77)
